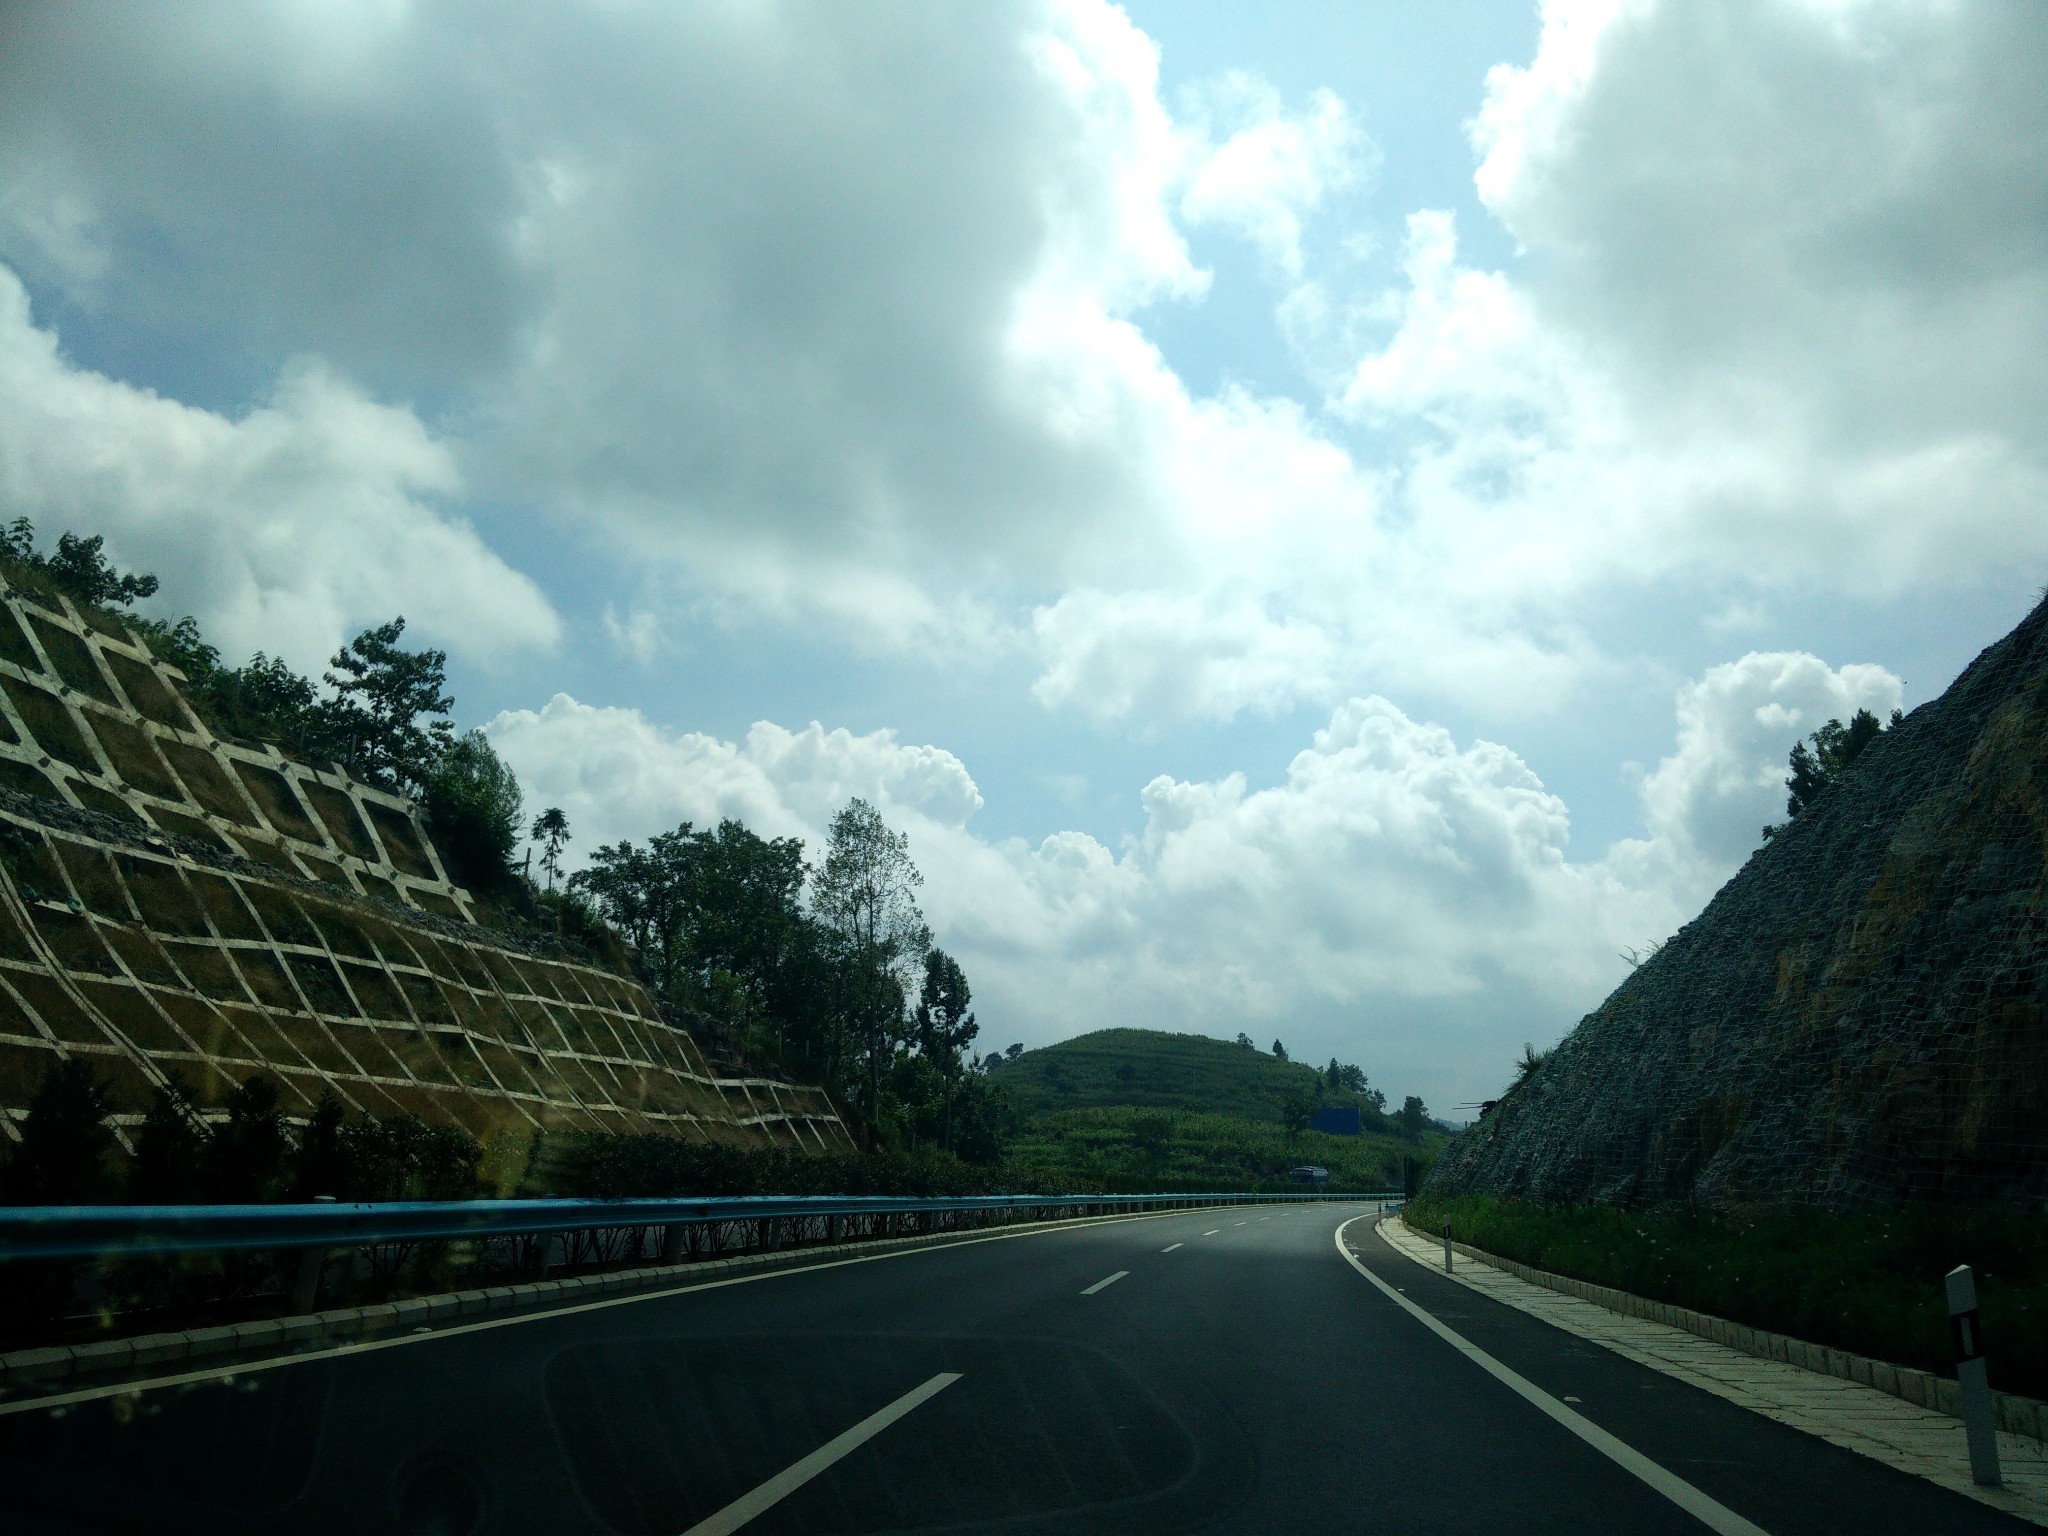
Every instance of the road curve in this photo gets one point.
(1155, 1375)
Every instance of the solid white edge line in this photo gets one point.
(1105, 1283)
(1709, 1512)
(543, 1314)
(793, 1477)
(1171, 1246)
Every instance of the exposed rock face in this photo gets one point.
(174, 903)
(1859, 1018)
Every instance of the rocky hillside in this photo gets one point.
(1858, 1019)
(173, 902)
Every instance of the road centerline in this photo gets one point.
(794, 1476)
(1708, 1511)
(1105, 1282)
(1212, 1232)
(1171, 1246)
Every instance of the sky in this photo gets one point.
(1319, 520)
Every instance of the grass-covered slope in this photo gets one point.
(1150, 1069)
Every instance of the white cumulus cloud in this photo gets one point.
(1397, 896)
(1710, 798)
(315, 513)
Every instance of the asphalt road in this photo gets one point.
(1086, 1380)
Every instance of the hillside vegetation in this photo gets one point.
(1129, 1109)
(1120, 1149)
(1151, 1069)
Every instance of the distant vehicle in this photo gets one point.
(1308, 1173)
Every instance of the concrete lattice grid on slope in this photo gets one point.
(171, 902)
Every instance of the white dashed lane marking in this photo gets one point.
(791, 1478)
(1105, 1283)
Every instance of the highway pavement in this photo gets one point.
(1240, 1370)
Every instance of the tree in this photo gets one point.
(645, 894)
(1413, 1117)
(1833, 748)
(1333, 1076)
(865, 895)
(382, 693)
(321, 1165)
(551, 831)
(78, 568)
(1295, 1110)
(65, 1141)
(719, 923)
(246, 1158)
(944, 1026)
(1279, 1051)
(1245, 1041)
(1012, 1052)
(744, 916)
(473, 805)
(169, 1149)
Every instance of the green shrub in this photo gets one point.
(405, 1160)
(609, 1167)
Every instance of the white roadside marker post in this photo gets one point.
(1447, 1246)
(1979, 1417)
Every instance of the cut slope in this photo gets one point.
(1859, 1017)
(174, 903)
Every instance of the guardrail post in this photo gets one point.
(1980, 1421)
(832, 1228)
(672, 1242)
(311, 1262)
(1447, 1245)
(771, 1234)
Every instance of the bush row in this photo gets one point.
(69, 1156)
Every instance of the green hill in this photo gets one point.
(1150, 1069)
(1122, 1149)
(1141, 1109)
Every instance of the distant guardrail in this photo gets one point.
(685, 1225)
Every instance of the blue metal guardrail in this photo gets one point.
(78, 1231)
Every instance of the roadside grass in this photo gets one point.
(1870, 1284)
(1124, 1149)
